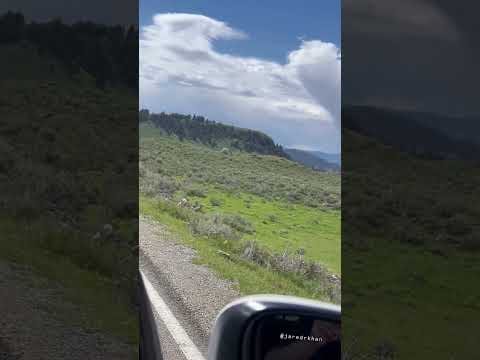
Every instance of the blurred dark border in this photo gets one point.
(410, 170)
(69, 178)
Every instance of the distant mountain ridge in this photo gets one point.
(212, 133)
(330, 157)
(463, 128)
(311, 159)
(421, 134)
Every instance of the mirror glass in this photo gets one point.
(293, 337)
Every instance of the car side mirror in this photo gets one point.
(277, 327)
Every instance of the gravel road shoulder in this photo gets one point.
(194, 292)
(31, 325)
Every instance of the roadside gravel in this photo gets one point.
(195, 293)
(31, 325)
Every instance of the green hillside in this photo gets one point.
(271, 177)
(264, 221)
(212, 133)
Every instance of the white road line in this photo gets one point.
(179, 335)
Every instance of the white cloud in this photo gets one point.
(296, 103)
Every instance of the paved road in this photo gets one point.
(192, 293)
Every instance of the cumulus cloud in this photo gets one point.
(317, 65)
(297, 102)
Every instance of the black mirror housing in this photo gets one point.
(268, 327)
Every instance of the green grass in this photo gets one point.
(425, 298)
(280, 226)
(103, 305)
(248, 277)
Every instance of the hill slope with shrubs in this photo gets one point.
(261, 215)
(213, 134)
(271, 177)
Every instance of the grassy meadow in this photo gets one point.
(264, 222)
(282, 226)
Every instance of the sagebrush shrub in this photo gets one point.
(196, 192)
(216, 202)
(239, 223)
(213, 226)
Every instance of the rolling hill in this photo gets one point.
(212, 133)
(277, 221)
(230, 138)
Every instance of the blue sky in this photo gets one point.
(275, 25)
(269, 65)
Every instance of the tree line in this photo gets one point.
(211, 133)
(108, 53)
